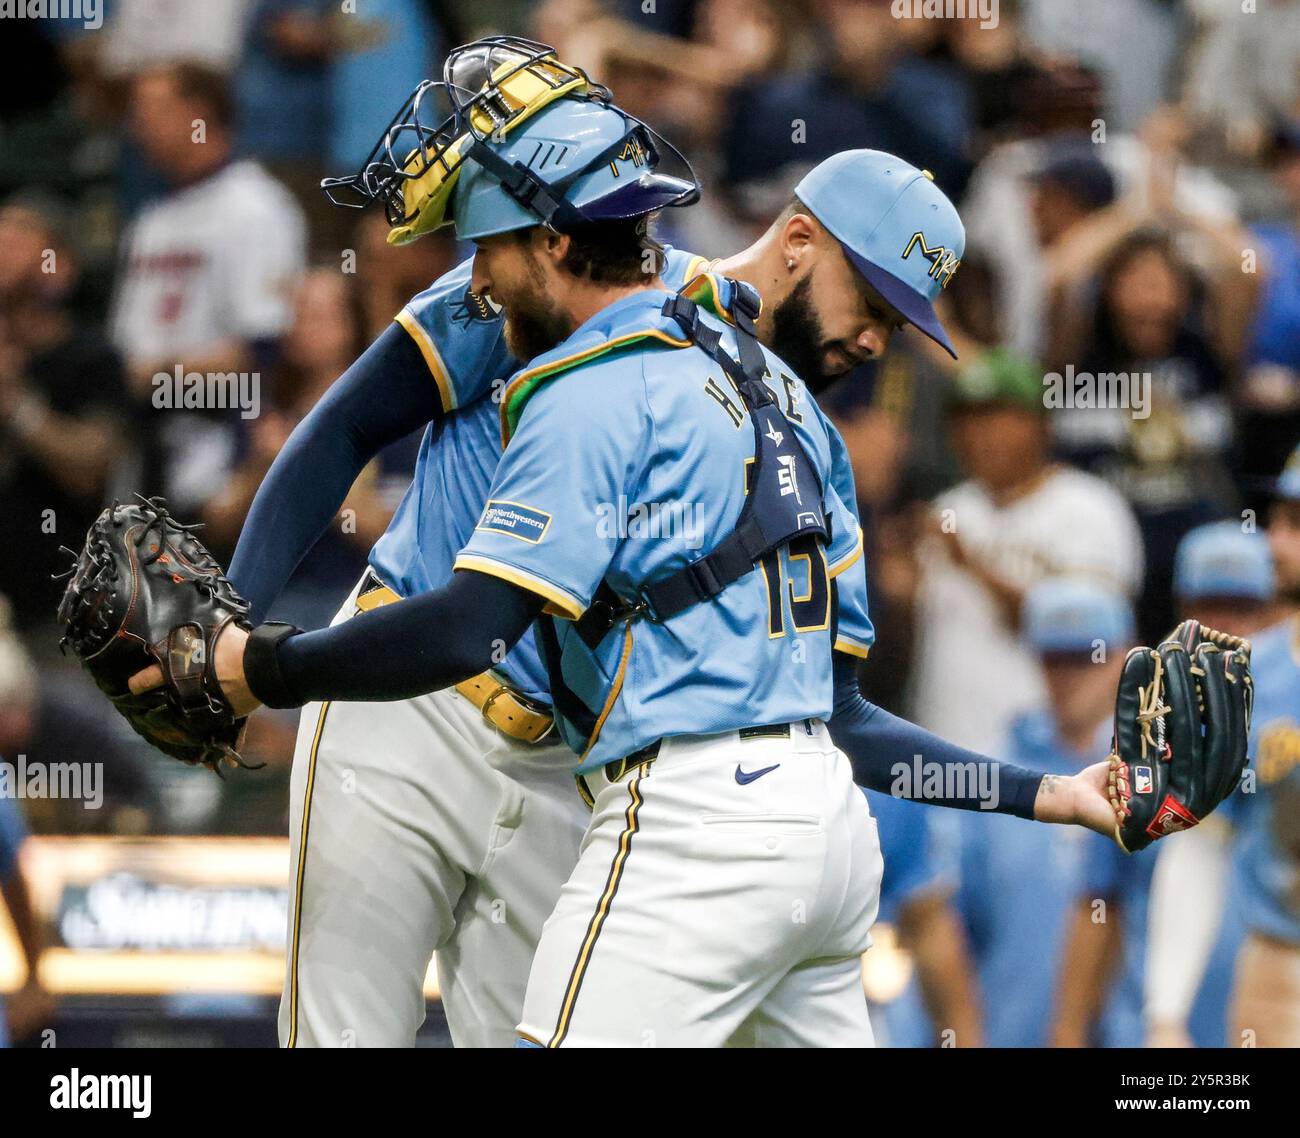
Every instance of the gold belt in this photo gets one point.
(511, 713)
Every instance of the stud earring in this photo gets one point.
(789, 264)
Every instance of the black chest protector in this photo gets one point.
(784, 502)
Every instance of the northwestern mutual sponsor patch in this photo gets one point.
(515, 520)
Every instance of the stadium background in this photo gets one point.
(1115, 163)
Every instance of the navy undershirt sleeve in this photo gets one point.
(877, 743)
(384, 396)
(419, 645)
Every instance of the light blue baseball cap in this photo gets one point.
(1070, 614)
(1288, 482)
(1220, 560)
(897, 228)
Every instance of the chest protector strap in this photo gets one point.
(784, 499)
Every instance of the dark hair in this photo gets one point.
(1108, 337)
(793, 206)
(205, 84)
(612, 252)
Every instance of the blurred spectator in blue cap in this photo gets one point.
(1068, 618)
(1100, 961)
(1230, 889)
(1020, 885)
(1071, 183)
(1223, 576)
(281, 90)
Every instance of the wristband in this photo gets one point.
(262, 665)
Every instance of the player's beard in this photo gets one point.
(534, 323)
(797, 336)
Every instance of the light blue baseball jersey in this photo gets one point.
(1267, 879)
(627, 465)
(463, 343)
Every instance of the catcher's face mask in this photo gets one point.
(488, 88)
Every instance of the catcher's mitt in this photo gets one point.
(146, 591)
(1182, 717)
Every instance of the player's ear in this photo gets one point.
(798, 235)
(554, 246)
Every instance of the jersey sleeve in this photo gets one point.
(461, 338)
(547, 525)
(854, 632)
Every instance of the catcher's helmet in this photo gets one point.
(591, 161)
(576, 161)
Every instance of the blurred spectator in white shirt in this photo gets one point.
(207, 275)
(1018, 519)
(1245, 71)
(1133, 45)
(142, 34)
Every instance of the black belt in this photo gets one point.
(369, 583)
(618, 769)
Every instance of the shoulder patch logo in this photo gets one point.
(515, 520)
(474, 308)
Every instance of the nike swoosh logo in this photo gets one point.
(746, 777)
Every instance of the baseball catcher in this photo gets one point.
(145, 591)
(1182, 717)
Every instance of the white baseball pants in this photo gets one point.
(715, 906)
(417, 827)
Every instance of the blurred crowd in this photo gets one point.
(1129, 175)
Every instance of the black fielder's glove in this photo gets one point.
(145, 591)
(1182, 717)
